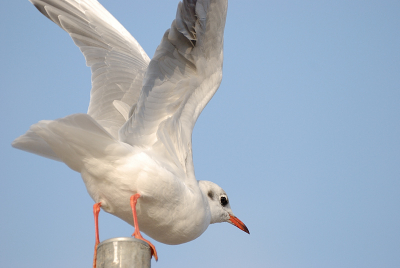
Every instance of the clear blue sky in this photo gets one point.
(303, 134)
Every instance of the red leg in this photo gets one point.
(137, 234)
(96, 210)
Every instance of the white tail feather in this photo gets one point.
(33, 143)
(71, 140)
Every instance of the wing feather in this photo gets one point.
(118, 63)
(182, 77)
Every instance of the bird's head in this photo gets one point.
(219, 205)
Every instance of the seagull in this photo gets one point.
(133, 148)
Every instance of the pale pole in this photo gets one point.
(123, 252)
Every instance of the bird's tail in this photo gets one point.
(71, 139)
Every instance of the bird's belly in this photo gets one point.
(165, 209)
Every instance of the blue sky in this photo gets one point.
(303, 134)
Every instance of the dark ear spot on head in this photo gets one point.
(210, 195)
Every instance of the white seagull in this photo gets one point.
(133, 147)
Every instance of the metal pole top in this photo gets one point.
(123, 252)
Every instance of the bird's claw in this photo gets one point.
(152, 247)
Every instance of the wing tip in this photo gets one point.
(41, 7)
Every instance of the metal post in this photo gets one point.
(123, 252)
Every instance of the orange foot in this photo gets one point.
(137, 233)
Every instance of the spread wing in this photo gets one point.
(182, 77)
(117, 61)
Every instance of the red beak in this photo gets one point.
(238, 223)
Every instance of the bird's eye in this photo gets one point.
(224, 201)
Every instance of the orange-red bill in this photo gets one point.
(238, 223)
